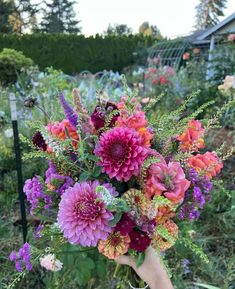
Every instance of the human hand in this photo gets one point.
(151, 271)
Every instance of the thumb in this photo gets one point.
(124, 260)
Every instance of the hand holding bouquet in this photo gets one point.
(117, 180)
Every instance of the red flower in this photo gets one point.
(139, 241)
(125, 225)
(98, 117)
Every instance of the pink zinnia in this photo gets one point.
(121, 153)
(82, 215)
(168, 180)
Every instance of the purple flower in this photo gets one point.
(196, 197)
(22, 257)
(82, 216)
(56, 182)
(37, 233)
(68, 111)
(185, 266)
(34, 193)
(193, 176)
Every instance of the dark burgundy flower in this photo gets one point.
(139, 241)
(125, 225)
(39, 141)
(98, 117)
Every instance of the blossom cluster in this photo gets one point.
(158, 74)
(110, 183)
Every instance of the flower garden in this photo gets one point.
(113, 163)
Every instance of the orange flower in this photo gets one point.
(164, 213)
(191, 139)
(161, 243)
(115, 245)
(207, 164)
(62, 130)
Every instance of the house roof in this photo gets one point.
(217, 27)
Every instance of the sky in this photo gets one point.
(172, 17)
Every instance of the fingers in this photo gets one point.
(125, 260)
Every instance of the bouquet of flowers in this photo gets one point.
(116, 180)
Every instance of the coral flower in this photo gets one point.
(207, 164)
(191, 139)
(138, 122)
(121, 153)
(160, 243)
(115, 245)
(82, 215)
(62, 130)
(168, 180)
(186, 56)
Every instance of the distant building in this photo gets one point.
(172, 51)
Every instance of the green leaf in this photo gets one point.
(97, 171)
(140, 259)
(84, 176)
(115, 220)
(119, 206)
(206, 286)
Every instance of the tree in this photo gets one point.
(146, 29)
(6, 9)
(118, 30)
(59, 16)
(208, 13)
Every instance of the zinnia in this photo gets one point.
(82, 215)
(115, 245)
(168, 180)
(139, 241)
(158, 242)
(121, 153)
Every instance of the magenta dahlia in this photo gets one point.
(82, 215)
(121, 153)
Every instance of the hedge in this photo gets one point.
(75, 53)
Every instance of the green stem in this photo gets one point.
(116, 270)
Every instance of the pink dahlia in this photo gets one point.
(168, 180)
(82, 215)
(121, 153)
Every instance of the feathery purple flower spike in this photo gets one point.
(68, 111)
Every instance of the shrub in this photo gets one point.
(11, 63)
(75, 53)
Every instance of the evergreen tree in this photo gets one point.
(118, 30)
(208, 13)
(59, 16)
(6, 9)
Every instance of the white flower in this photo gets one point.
(8, 133)
(51, 263)
(229, 82)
